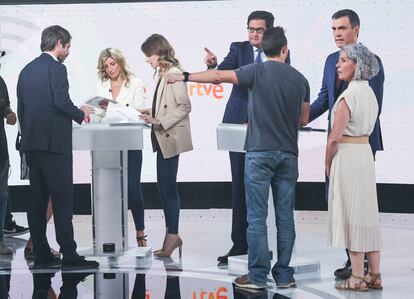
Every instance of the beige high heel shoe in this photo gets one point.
(171, 242)
(163, 243)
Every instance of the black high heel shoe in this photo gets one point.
(142, 241)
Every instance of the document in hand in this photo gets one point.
(116, 113)
(100, 102)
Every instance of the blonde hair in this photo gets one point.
(116, 55)
(157, 44)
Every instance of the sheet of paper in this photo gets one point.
(116, 113)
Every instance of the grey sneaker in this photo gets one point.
(5, 250)
(245, 283)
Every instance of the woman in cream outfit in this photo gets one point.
(170, 134)
(119, 84)
(352, 205)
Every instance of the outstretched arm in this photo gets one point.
(205, 77)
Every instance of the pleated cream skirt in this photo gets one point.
(352, 204)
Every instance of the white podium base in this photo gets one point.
(144, 253)
(238, 265)
(139, 252)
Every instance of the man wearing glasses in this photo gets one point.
(240, 54)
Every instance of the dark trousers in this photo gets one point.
(9, 216)
(4, 192)
(135, 199)
(167, 188)
(239, 215)
(51, 174)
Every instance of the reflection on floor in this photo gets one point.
(206, 234)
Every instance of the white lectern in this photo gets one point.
(109, 145)
(231, 137)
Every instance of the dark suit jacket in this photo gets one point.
(326, 97)
(44, 108)
(240, 54)
(4, 104)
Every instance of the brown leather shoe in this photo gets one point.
(244, 282)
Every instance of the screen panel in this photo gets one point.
(191, 26)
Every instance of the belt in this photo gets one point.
(355, 139)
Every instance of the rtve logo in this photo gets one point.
(221, 293)
(201, 89)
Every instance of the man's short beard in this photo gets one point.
(62, 59)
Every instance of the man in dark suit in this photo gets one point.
(241, 53)
(345, 28)
(7, 113)
(45, 112)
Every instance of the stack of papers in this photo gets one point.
(111, 112)
(116, 113)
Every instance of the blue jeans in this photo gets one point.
(167, 188)
(280, 170)
(135, 199)
(4, 192)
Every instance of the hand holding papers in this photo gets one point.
(100, 102)
(109, 111)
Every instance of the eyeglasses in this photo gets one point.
(259, 30)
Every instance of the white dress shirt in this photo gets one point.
(255, 53)
(131, 94)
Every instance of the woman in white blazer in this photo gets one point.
(170, 134)
(119, 84)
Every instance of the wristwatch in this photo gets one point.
(186, 75)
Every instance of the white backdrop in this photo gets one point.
(386, 28)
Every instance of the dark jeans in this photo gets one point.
(167, 188)
(135, 199)
(238, 205)
(279, 170)
(4, 192)
(51, 174)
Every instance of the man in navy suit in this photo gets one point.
(241, 53)
(45, 113)
(345, 28)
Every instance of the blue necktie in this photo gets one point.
(258, 59)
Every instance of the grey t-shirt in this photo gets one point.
(276, 94)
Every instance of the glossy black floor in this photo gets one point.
(196, 275)
(137, 285)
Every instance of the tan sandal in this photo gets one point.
(374, 281)
(359, 286)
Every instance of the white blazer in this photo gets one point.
(131, 94)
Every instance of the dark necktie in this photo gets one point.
(258, 59)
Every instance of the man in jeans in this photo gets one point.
(278, 105)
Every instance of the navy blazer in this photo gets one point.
(326, 97)
(240, 54)
(44, 108)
